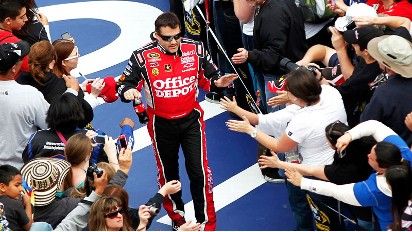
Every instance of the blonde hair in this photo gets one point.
(107, 168)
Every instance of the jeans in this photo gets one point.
(247, 41)
(300, 207)
(326, 213)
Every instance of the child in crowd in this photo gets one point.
(16, 207)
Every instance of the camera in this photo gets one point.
(94, 169)
(313, 69)
(153, 210)
(344, 23)
(290, 66)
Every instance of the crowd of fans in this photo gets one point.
(335, 115)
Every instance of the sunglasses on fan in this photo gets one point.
(114, 214)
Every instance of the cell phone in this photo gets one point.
(123, 141)
(99, 139)
(67, 36)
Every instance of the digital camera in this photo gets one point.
(344, 23)
(153, 210)
(94, 169)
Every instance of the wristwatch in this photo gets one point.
(253, 133)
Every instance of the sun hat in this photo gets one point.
(394, 52)
(44, 176)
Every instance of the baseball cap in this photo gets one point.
(360, 9)
(400, 31)
(393, 51)
(44, 176)
(10, 53)
(108, 92)
(362, 35)
(356, 9)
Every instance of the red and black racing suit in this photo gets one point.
(170, 83)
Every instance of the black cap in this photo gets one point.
(362, 35)
(10, 53)
(399, 31)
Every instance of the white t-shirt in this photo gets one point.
(306, 126)
(247, 28)
(275, 123)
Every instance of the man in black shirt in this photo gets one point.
(278, 32)
(355, 90)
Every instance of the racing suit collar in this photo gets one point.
(162, 49)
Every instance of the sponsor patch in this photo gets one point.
(155, 71)
(168, 67)
(152, 60)
(153, 55)
(188, 62)
(154, 64)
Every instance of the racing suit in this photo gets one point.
(170, 82)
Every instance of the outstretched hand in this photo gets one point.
(190, 226)
(171, 187)
(294, 177)
(227, 104)
(243, 126)
(225, 80)
(269, 161)
(281, 99)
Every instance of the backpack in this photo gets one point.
(314, 11)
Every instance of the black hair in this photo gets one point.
(399, 178)
(30, 6)
(10, 8)
(65, 114)
(7, 172)
(387, 154)
(303, 84)
(167, 19)
(335, 130)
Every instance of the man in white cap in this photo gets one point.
(23, 107)
(392, 101)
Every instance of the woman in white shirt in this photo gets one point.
(300, 126)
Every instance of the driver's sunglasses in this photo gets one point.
(114, 214)
(170, 38)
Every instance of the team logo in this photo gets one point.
(188, 62)
(168, 67)
(155, 71)
(153, 55)
(122, 77)
(154, 64)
